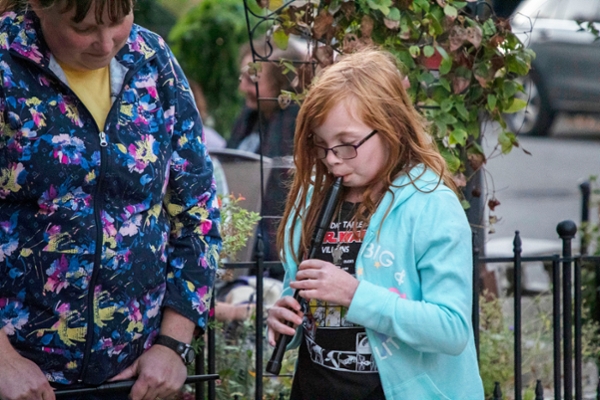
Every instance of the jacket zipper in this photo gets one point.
(103, 142)
(99, 229)
(89, 335)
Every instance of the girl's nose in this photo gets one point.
(331, 158)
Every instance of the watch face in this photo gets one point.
(189, 356)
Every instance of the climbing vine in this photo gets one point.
(462, 62)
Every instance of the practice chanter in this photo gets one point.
(325, 216)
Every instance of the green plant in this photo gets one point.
(154, 16)
(236, 358)
(235, 344)
(496, 341)
(237, 225)
(590, 233)
(495, 345)
(177, 7)
(206, 41)
(458, 65)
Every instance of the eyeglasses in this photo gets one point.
(342, 151)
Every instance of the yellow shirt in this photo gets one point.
(93, 89)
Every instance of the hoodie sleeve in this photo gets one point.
(291, 267)
(192, 206)
(437, 317)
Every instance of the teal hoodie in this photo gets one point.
(415, 292)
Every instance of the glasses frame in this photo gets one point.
(356, 146)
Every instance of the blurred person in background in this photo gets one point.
(278, 123)
(110, 224)
(213, 139)
(276, 120)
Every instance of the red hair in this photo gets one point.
(371, 80)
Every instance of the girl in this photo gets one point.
(389, 293)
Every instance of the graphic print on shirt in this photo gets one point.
(332, 341)
(380, 256)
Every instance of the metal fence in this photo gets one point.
(566, 293)
(566, 290)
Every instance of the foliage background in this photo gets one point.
(154, 16)
(206, 41)
(463, 65)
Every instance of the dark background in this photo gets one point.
(503, 8)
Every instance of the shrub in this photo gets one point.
(206, 42)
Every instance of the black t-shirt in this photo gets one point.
(335, 359)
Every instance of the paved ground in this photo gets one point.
(538, 191)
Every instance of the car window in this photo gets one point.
(578, 10)
(548, 9)
(562, 9)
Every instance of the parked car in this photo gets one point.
(565, 75)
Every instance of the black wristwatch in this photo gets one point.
(187, 352)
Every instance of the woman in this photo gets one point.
(277, 122)
(109, 238)
(389, 290)
(263, 113)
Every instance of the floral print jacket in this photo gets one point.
(99, 229)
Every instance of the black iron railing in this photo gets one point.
(566, 285)
(566, 291)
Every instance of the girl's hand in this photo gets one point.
(321, 280)
(286, 309)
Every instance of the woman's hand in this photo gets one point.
(321, 280)
(21, 379)
(286, 309)
(160, 373)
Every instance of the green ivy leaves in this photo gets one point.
(428, 51)
(458, 66)
(450, 11)
(516, 105)
(280, 38)
(507, 140)
(380, 5)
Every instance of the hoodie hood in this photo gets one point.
(418, 179)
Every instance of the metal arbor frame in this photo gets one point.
(566, 279)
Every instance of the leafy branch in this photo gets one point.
(237, 225)
(461, 68)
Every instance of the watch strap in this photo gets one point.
(181, 348)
